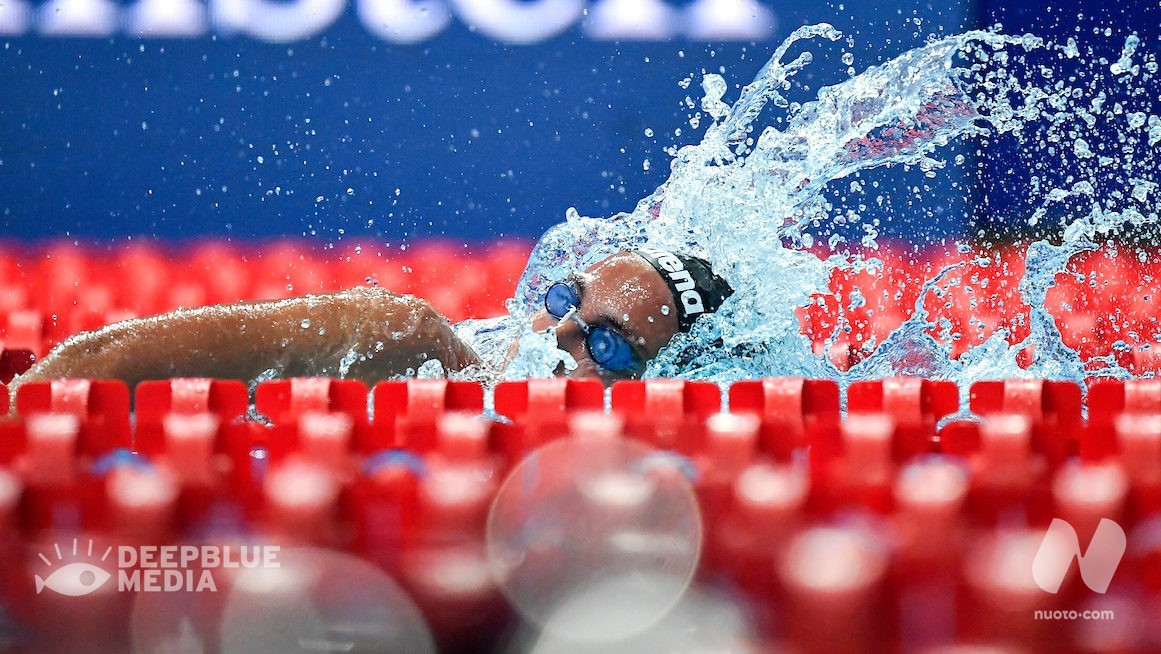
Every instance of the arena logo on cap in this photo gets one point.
(147, 568)
(682, 281)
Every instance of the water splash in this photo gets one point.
(750, 204)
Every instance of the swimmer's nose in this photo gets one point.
(571, 339)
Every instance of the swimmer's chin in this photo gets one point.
(575, 370)
(587, 369)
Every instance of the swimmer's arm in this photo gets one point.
(361, 333)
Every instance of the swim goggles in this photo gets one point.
(607, 347)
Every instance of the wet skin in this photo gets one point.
(621, 285)
(386, 334)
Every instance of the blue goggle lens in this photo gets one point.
(610, 349)
(560, 299)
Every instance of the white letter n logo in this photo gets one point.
(1061, 546)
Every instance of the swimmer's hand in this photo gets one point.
(362, 333)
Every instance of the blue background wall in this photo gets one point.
(1103, 27)
(345, 134)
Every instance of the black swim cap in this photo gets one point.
(695, 287)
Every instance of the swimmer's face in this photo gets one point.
(622, 292)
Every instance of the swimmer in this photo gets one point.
(612, 318)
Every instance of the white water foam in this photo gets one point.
(748, 195)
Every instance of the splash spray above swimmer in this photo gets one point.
(618, 297)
